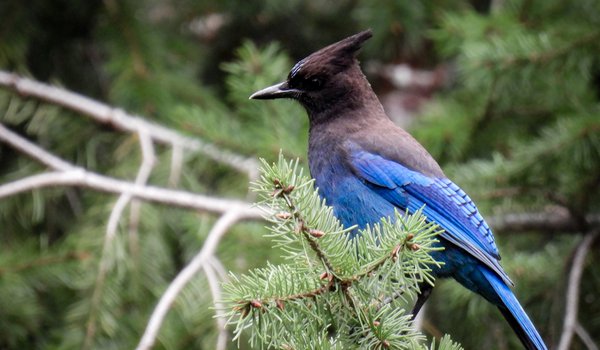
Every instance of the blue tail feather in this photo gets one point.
(514, 313)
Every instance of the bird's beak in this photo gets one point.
(280, 90)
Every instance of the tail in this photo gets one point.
(514, 313)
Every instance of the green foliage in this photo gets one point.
(519, 131)
(333, 292)
(517, 128)
(259, 128)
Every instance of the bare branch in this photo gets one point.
(221, 276)
(545, 221)
(176, 164)
(25, 146)
(120, 120)
(572, 303)
(585, 337)
(144, 171)
(67, 174)
(215, 289)
(197, 263)
(419, 320)
(71, 175)
(217, 265)
(148, 162)
(34, 182)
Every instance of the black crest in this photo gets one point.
(339, 55)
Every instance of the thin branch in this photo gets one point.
(34, 182)
(397, 294)
(215, 290)
(117, 118)
(217, 265)
(585, 337)
(544, 221)
(176, 165)
(148, 162)
(68, 174)
(218, 230)
(144, 171)
(572, 303)
(34, 151)
(419, 320)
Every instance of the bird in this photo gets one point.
(366, 168)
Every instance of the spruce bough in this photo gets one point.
(333, 292)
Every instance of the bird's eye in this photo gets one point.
(313, 83)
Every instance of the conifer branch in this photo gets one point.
(121, 120)
(45, 261)
(572, 297)
(232, 216)
(311, 235)
(277, 301)
(542, 57)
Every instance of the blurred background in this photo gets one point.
(504, 93)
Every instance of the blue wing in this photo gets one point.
(443, 202)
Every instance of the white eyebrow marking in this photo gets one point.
(297, 68)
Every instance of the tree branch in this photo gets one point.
(215, 289)
(232, 216)
(585, 337)
(120, 120)
(547, 221)
(148, 161)
(572, 304)
(67, 174)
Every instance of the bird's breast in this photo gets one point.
(353, 202)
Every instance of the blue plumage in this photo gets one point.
(366, 167)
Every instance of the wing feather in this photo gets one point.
(443, 202)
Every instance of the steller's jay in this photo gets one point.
(365, 167)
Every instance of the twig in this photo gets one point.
(25, 146)
(148, 162)
(218, 267)
(572, 303)
(67, 174)
(419, 320)
(219, 229)
(215, 289)
(544, 221)
(144, 171)
(585, 337)
(176, 165)
(120, 120)
(397, 294)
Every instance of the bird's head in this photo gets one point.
(325, 79)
